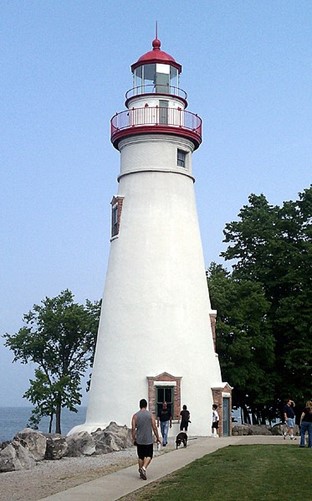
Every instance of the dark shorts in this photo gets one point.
(145, 451)
(215, 425)
(184, 424)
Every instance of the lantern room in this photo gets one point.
(158, 77)
(156, 72)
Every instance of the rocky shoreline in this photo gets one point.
(35, 465)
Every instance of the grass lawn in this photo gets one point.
(253, 472)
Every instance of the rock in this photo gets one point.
(34, 441)
(260, 429)
(278, 429)
(38, 446)
(15, 457)
(4, 444)
(122, 431)
(106, 442)
(80, 444)
(56, 446)
(249, 429)
(113, 438)
(241, 429)
(29, 446)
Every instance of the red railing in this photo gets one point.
(157, 119)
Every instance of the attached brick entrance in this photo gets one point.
(168, 387)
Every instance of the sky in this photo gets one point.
(65, 68)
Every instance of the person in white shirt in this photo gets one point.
(215, 421)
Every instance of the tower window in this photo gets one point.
(114, 220)
(116, 214)
(181, 158)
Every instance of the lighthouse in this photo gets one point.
(155, 337)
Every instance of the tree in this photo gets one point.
(59, 336)
(245, 344)
(272, 246)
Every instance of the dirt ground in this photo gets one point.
(50, 477)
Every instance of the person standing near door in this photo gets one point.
(165, 419)
(215, 421)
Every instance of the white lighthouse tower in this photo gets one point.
(155, 339)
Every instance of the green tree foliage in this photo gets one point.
(272, 247)
(59, 336)
(245, 344)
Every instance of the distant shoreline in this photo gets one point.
(14, 419)
(32, 407)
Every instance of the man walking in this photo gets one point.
(143, 425)
(165, 419)
(289, 417)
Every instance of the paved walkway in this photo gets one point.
(120, 483)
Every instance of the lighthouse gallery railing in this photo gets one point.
(167, 90)
(158, 117)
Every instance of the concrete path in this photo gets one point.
(120, 483)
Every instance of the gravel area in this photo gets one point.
(50, 477)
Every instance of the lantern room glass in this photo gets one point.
(156, 78)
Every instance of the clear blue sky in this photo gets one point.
(65, 67)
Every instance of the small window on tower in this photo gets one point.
(116, 215)
(181, 158)
(114, 220)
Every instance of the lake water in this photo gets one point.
(14, 419)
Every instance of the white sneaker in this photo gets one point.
(143, 473)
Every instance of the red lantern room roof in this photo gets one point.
(156, 56)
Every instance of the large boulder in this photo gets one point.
(56, 446)
(16, 457)
(80, 444)
(34, 441)
(106, 442)
(260, 429)
(113, 438)
(249, 429)
(241, 429)
(279, 428)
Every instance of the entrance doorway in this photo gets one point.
(226, 416)
(164, 394)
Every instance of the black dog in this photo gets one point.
(181, 439)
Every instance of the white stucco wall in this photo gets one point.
(155, 312)
(159, 153)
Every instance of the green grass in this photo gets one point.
(253, 472)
